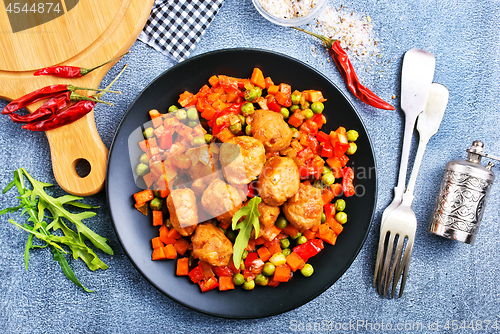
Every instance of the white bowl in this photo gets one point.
(296, 21)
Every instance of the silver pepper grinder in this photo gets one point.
(460, 204)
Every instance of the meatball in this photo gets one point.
(267, 214)
(242, 159)
(304, 210)
(270, 128)
(211, 245)
(204, 166)
(181, 204)
(278, 181)
(221, 200)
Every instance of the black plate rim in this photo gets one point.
(187, 62)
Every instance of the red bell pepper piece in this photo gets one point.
(252, 256)
(347, 179)
(196, 274)
(319, 119)
(329, 210)
(309, 126)
(326, 150)
(208, 284)
(272, 104)
(307, 250)
(223, 271)
(305, 154)
(322, 137)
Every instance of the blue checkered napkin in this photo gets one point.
(175, 26)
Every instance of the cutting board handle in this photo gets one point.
(73, 145)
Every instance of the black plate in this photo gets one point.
(135, 231)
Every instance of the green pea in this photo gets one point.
(281, 222)
(285, 112)
(168, 223)
(341, 217)
(285, 243)
(192, 114)
(305, 105)
(208, 138)
(326, 170)
(235, 128)
(248, 285)
(294, 107)
(268, 269)
(317, 107)
(242, 265)
(181, 114)
(309, 113)
(307, 270)
(242, 119)
(156, 204)
(296, 97)
(192, 124)
(238, 279)
(352, 148)
(328, 179)
(286, 252)
(339, 205)
(199, 140)
(323, 218)
(244, 254)
(295, 237)
(142, 169)
(156, 193)
(261, 280)
(251, 95)
(172, 108)
(301, 240)
(144, 158)
(248, 130)
(148, 133)
(247, 108)
(352, 135)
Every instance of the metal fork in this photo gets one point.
(416, 78)
(401, 222)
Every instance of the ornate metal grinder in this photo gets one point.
(460, 204)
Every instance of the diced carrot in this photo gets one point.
(264, 253)
(273, 89)
(282, 273)
(164, 235)
(269, 82)
(315, 228)
(158, 254)
(152, 142)
(269, 233)
(181, 246)
(257, 78)
(251, 245)
(274, 248)
(157, 218)
(259, 241)
(295, 261)
(156, 243)
(187, 99)
(291, 230)
(297, 118)
(225, 135)
(309, 234)
(142, 208)
(284, 99)
(164, 193)
(323, 230)
(149, 179)
(143, 196)
(329, 237)
(170, 252)
(182, 266)
(224, 225)
(157, 121)
(213, 81)
(337, 189)
(174, 234)
(143, 144)
(336, 227)
(226, 283)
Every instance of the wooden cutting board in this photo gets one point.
(83, 33)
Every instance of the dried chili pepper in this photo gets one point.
(55, 104)
(43, 93)
(68, 115)
(346, 69)
(70, 71)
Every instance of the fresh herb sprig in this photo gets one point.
(35, 202)
(251, 213)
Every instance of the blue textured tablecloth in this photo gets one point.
(448, 281)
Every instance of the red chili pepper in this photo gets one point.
(346, 69)
(41, 94)
(70, 71)
(347, 178)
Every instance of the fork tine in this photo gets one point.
(384, 277)
(396, 265)
(380, 256)
(406, 261)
